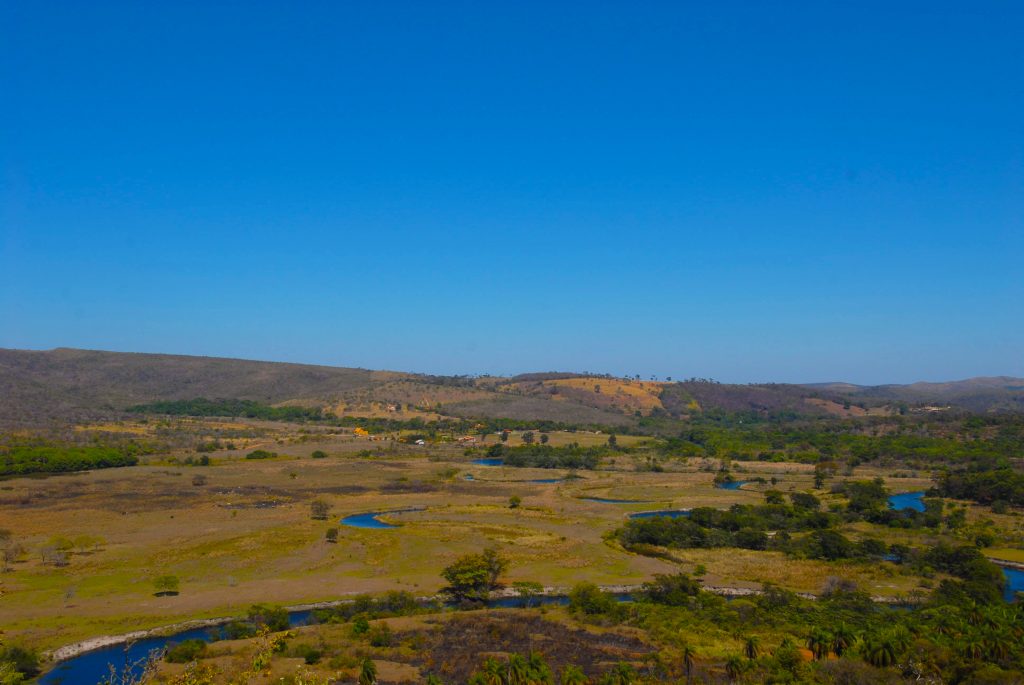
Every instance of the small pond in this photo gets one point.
(907, 500)
(489, 461)
(732, 485)
(1014, 583)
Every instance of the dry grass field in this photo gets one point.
(240, 531)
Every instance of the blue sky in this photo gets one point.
(742, 190)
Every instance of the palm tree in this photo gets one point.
(368, 673)
(573, 675)
(752, 647)
(622, 674)
(491, 673)
(538, 672)
(689, 655)
(518, 670)
(819, 642)
(842, 639)
(879, 650)
(734, 667)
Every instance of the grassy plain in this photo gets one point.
(243, 533)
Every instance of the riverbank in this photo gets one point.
(1006, 563)
(76, 649)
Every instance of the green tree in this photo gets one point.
(166, 585)
(819, 477)
(527, 438)
(274, 618)
(842, 639)
(514, 501)
(473, 576)
(590, 599)
(689, 657)
(544, 437)
(819, 642)
(880, 650)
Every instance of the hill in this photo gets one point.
(40, 387)
(65, 383)
(980, 394)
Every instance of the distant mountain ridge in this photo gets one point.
(982, 393)
(60, 385)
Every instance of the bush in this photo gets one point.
(380, 635)
(675, 590)
(311, 655)
(186, 651)
(261, 454)
(275, 618)
(24, 661)
(238, 630)
(589, 599)
(319, 454)
(360, 626)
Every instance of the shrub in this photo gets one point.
(275, 618)
(186, 651)
(590, 599)
(380, 635)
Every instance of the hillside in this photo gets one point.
(64, 383)
(40, 387)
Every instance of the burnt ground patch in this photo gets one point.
(455, 648)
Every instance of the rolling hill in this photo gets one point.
(41, 387)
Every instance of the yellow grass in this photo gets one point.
(228, 553)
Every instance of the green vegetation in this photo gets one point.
(545, 456)
(184, 652)
(166, 585)
(24, 459)
(472, 577)
(998, 486)
(229, 408)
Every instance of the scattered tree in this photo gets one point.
(319, 509)
(166, 585)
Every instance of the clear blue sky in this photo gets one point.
(742, 190)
